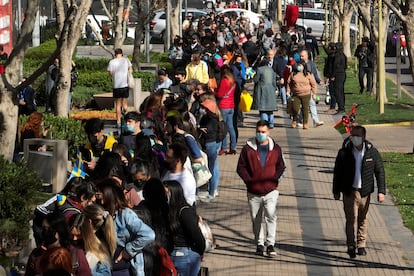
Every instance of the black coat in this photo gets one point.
(344, 170)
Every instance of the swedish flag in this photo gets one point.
(78, 168)
(250, 73)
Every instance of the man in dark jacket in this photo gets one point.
(365, 54)
(357, 162)
(338, 77)
(261, 166)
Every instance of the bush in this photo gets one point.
(147, 80)
(64, 129)
(19, 186)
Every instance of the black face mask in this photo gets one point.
(49, 236)
(139, 183)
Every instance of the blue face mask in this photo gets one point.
(152, 142)
(130, 128)
(261, 137)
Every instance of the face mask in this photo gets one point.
(261, 137)
(139, 183)
(299, 68)
(152, 142)
(130, 128)
(93, 139)
(356, 141)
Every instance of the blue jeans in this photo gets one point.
(282, 90)
(212, 153)
(268, 116)
(313, 111)
(227, 114)
(186, 261)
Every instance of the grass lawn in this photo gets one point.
(399, 171)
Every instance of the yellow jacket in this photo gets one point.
(198, 72)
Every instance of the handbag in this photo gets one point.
(201, 171)
(131, 80)
(246, 101)
(207, 234)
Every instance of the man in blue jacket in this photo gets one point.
(357, 162)
(261, 166)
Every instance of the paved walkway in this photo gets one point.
(310, 233)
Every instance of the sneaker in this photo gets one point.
(216, 194)
(300, 125)
(320, 123)
(202, 195)
(271, 251)
(208, 199)
(260, 250)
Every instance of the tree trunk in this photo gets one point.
(69, 36)
(346, 32)
(8, 107)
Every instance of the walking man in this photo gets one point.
(118, 68)
(365, 54)
(357, 162)
(261, 166)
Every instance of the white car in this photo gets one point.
(252, 16)
(157, 26)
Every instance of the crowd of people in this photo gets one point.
(139, 194)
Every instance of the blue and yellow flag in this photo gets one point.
(78, 168)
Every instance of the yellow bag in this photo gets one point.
(246, 101)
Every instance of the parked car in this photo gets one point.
(315, 19)
(252, 16)
(157, 26)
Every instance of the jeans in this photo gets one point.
(313, 111)
(227, 114)
(331, 90)
(282, 90)
(186, 261)
(264, 204)
(365, 71)
(268, 116)
(212, 153)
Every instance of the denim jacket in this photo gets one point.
(133, 235)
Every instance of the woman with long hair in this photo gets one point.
(197, 69)
(300, 85)
(226, 93)
(189, 242)
(99, 239)
(132, 234)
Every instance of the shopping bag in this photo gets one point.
(246, 101)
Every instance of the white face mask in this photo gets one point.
(356, 141)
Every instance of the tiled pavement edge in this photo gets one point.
(310, 232)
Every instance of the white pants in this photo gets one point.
(264, 204)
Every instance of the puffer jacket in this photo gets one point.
(344, 170)
(261, 180)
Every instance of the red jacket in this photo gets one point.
(225, 93)
(261, 180)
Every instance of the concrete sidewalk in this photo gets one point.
(310, 234)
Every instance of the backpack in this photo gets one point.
(167, 267)
(222, 130)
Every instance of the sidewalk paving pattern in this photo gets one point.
(310, 233)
